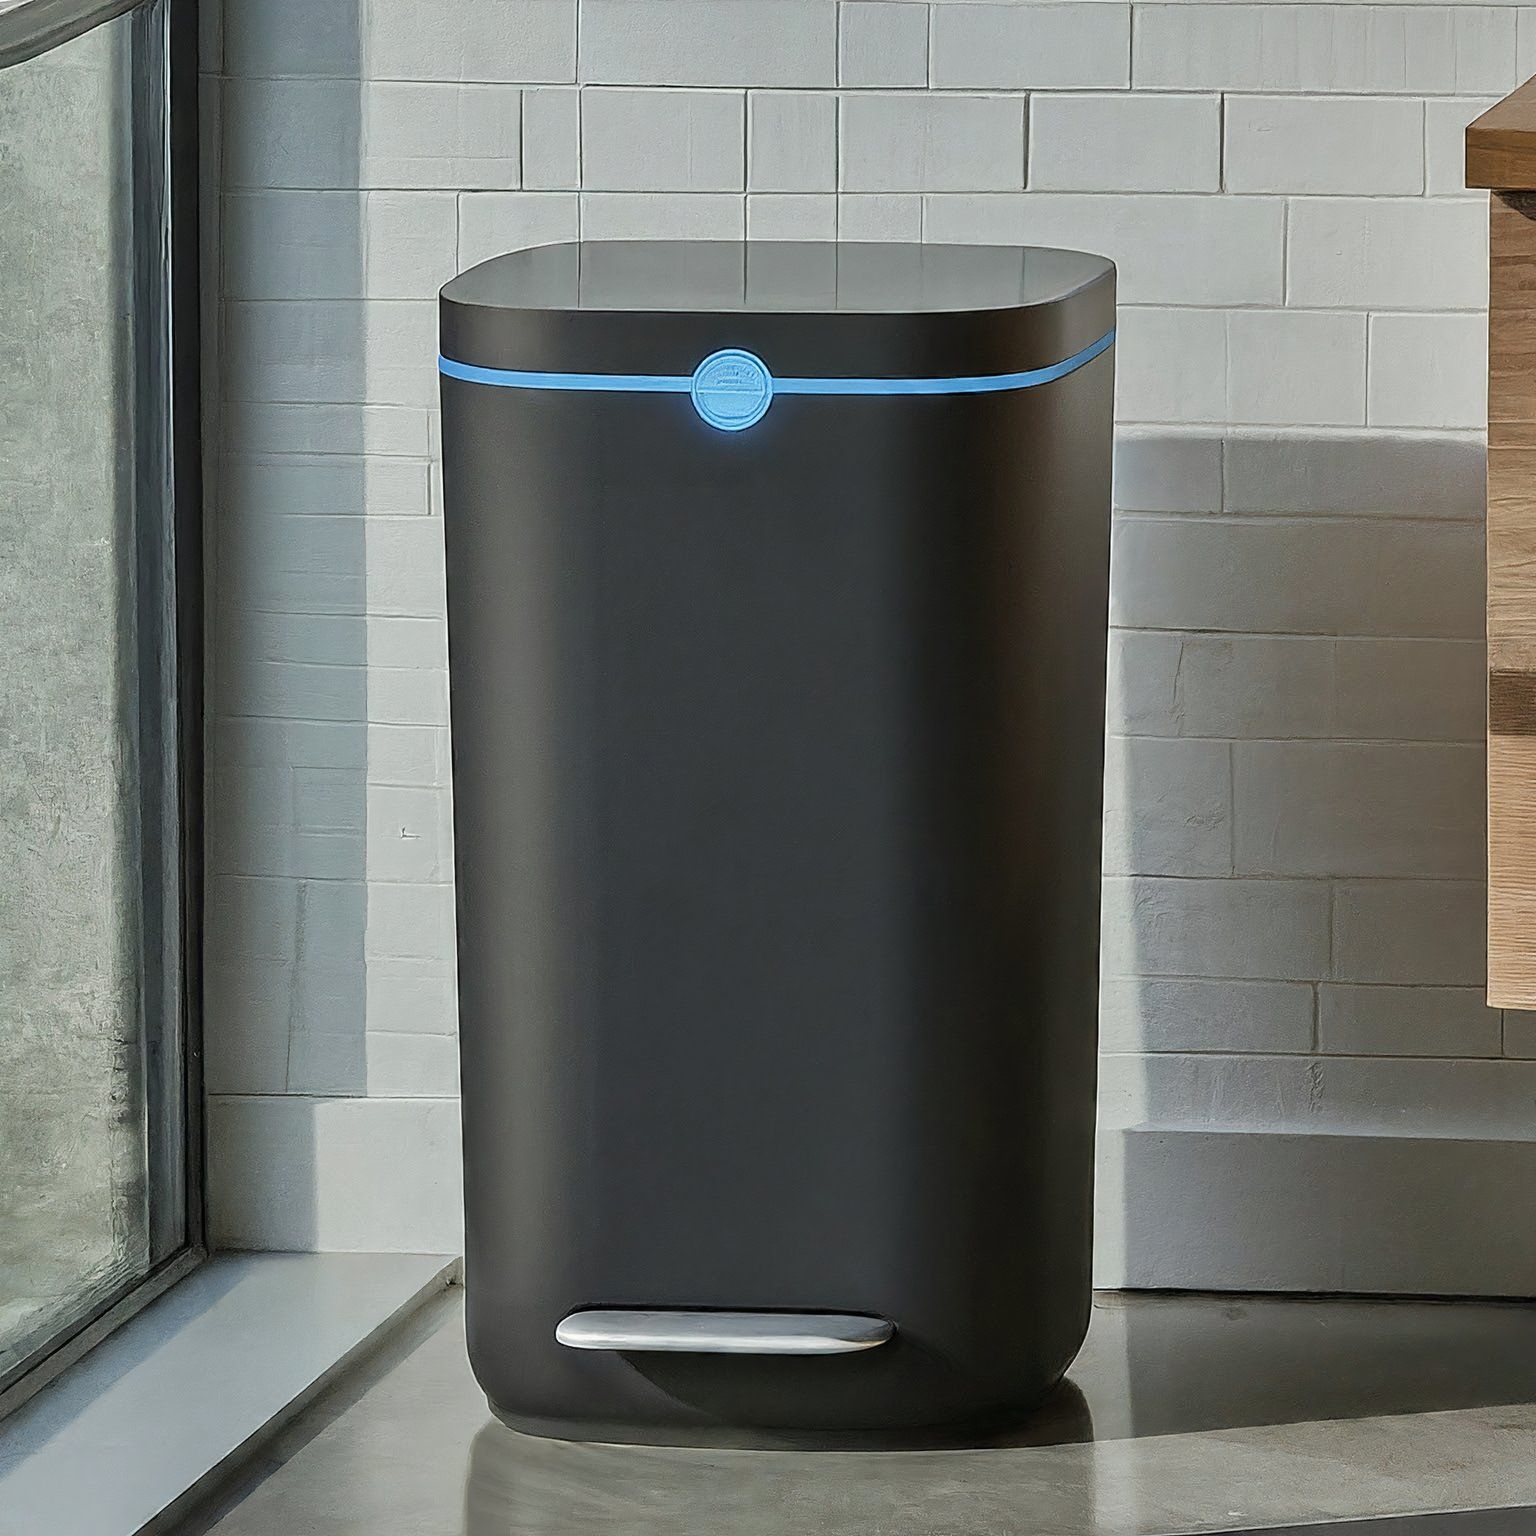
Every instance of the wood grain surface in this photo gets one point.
(1501, 154)
(1501, 144)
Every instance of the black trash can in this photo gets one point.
(777, 588)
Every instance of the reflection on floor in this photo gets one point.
(1183, 1414)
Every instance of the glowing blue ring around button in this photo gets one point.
(732, 389)
(735, 419)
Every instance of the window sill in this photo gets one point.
(175, 1400)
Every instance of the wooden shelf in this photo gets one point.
(1501, 155)
(1501, 144)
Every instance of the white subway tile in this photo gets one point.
(328, 1062)
(1519, 1034)
(251, 919)
(331, 485)
(333, 917)
(709, 42)
(1123, 143)
(792, 141)
(1418, 49)
(492, 223)
(1445, 147)
(245, 1047)
(438, 135)
(293, 822)
(1358, 808)
(341, 352)
(292, 133)
(882, 44)
(1031, 47)
(920, 142)
(1161, 471)
(1525, 42)
(1371, 145)
(879, 216)
(1167, 807)
(1355, 472)
(348, 1174)
(333, 639)
(1410, 932)
(405, 1065)
(491, 40)
(1429, 371)
(792, 216)
(1366, 1097)
(412, 997)
(1387, 253)
(1406, 1021)
(410, 243)
(410, 834)
(410, 922)
(662, 216)
(291, 37)
(551, 139)
(408, 754)
(330, 565)
(1264, 930)
(663, 141)
(1151, 1013)
(1300, 687)
(1293, 367)
(279, 744)
(1169, 250)
(293, 245)
(295, 690)
(335, 245)
(1410, 690)
(257, 427)
(1170, 364)
(407, 695)
(1341, 576)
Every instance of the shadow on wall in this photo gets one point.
(330, 996)
(1296, 1045)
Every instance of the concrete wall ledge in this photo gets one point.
(1234, 1210)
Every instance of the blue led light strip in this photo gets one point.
(681, 384)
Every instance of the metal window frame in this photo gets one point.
(164, 123)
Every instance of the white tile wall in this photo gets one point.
(1216, 250)
(1428, 363)
(663, 141)
(931, 143)
(1372, 146)
(1385, 253)
(1012, 47)
(709, 42)
(1410, 48)
(551, 139)
(1293, 889)
(792, 142)
(496, 40)
(1126, 143)
(792, 216)
(883, 43)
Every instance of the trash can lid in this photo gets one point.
(819, 306)
(776, 277)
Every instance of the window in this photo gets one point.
(100, 663)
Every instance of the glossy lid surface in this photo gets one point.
(775, 277)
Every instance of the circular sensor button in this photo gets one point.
(732, 389)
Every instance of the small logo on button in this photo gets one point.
(732, 389)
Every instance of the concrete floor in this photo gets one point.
(1183, 1414)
